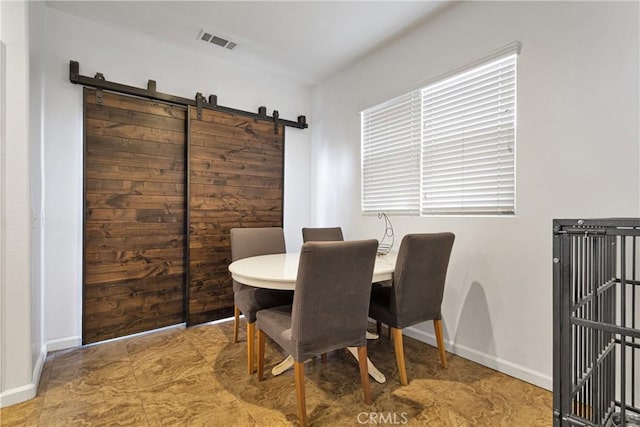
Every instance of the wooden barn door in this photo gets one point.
(134, 224)
(138, 206)
(236, 170)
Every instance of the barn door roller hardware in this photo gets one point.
(199, 101)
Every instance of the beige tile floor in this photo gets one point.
(197, 377)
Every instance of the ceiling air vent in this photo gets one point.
(210, 38)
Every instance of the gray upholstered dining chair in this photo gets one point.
(322, 234)
(248, 242)
(415, 294)
(329, 310)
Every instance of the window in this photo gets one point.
(391, 135)
(448, 148)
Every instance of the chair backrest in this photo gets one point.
(331, 300)
(419, 276)
(325, 234)
(248, 242)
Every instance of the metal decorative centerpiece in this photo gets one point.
(386, 243)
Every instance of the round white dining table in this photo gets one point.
(279, 271)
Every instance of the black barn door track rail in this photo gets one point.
(99, 82)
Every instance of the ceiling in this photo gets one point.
(303, 40)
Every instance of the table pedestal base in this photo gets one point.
(373, 371)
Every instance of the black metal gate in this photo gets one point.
(596, 340)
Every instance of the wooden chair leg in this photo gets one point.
(298, 368)
(251, 342)
(397, 340)
(364, 374)
(236, 322)
(437, 326)
(323, 357)
(378, 327)
(261, 340)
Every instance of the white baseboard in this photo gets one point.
(27, 391)
(63, 343)
(504, 366)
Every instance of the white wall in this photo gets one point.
(36, 136)
(577, 156)
(133, 59)
(21, 354)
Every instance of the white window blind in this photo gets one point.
(468, 142)
(448, 148)
(391, 135)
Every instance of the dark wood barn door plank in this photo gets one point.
(134, 225)
(236, 179)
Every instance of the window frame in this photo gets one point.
(500, 191)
